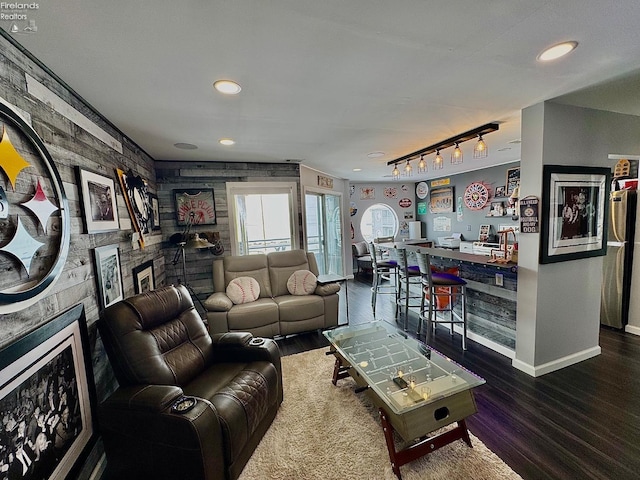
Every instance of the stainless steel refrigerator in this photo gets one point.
(616, 272)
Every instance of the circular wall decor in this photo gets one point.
(422, 190)
(35, 228)
(476, 196)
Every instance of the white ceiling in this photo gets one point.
(327, 81)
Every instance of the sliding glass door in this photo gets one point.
(324, 230)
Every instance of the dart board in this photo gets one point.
(476, 196)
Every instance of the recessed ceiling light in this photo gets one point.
(557, 51)
(226, 141)
(228, 87)
(185, 146)
(357, 169)
(376, 154)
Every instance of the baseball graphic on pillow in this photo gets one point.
(302, 282)
(243, 290)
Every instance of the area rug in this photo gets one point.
(327, 432)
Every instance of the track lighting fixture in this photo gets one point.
(456, 155)
(408, 169)
(480, 150)
(438, 162)
(395, 173)
(422, 165)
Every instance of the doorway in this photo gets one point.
(323, 215)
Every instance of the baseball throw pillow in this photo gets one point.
(302, 282)
(243, 290)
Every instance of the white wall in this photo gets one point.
(559, 304)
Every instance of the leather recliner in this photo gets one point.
(189, 405)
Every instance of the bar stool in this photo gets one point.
(442, 287)
(407, 276)
(382, 270)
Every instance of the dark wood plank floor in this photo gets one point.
(582, 422)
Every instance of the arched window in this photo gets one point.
(378, 220)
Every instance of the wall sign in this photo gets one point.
(37, 229)
(405, 202)
(529, 215)
(440, 182)
(441, 200)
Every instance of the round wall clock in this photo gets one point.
(35, 228)
(476, 196)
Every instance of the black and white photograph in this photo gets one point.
(144, 277)
(46, 401)
(109, 275)
(573, 199)
(155, 212)
(98, 202)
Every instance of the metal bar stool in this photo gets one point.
(441, 291)
(382, 270)
(407, 276)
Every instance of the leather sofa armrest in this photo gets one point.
(141, 418)
(231, 339)
(327, 289)
(150, 398)
(218, 302)
(244, 347)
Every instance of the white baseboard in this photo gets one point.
(632, 329)
(539, 370)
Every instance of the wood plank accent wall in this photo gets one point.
(71, 146)
(178, 175)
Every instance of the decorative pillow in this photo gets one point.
(243, 290)
(302, 282)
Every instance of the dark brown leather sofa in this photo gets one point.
(162, 354)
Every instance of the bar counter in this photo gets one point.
(491, 292)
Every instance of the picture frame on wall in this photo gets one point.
(98, 197)
(52, 362)
(574, 212)
(136, 196)
(195, 206)
(108, 275)
(144, 279)
(155, 211)
(441, 200)
(500, 192)
(512, 180)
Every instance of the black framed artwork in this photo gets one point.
(574, 212)
(195, 206)
(98, 196)
(144, 279)
(47, 381)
